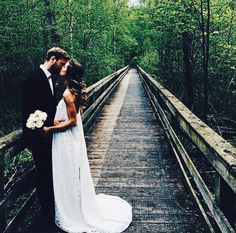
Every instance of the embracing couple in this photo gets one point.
(64, 183)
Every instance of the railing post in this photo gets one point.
(2, 207)
(217, 188)
(219, 153)
(174, 123)
(226, 199)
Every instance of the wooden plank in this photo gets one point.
(90, 110)
(167, 128)
(9, 140)
(135, 165)
(15, 149)
(206, 194)
(2, 208)
(12, 144)
(146, 175)
(1, 177)
(98, 85)
(19, 187)
(96, 90)
(21, 212)
(99, 103)
(218, 151)
(227, 201)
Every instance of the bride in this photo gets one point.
(77, 207)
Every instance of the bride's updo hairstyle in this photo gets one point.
(76, 84)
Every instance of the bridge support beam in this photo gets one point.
(226, 199)
(2, 207)
(12, 144)
(219, 152)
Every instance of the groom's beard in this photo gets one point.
(54, 70)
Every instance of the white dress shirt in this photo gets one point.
(48, 75)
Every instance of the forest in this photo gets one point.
(187, 45)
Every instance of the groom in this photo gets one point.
(38, 94)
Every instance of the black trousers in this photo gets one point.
(42, 155)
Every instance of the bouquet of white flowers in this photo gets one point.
(36, 120)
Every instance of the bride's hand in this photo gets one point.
(81, 111)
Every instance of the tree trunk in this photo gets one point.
(205, 50)
(115, 13)
(187, 39)
(71, 26)
(55, 37)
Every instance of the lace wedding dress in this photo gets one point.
(77, 207)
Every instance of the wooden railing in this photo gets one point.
(218, 206)
(12, 144)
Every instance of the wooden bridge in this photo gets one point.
(145, 146)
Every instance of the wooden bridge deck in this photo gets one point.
(129, 157)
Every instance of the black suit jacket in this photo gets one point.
(37, 95)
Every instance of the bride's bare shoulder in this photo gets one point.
(68, 96)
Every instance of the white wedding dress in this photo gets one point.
(77, 207)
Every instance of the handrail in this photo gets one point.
(10, 140)
(207, 140)
(12, 144)
(97, 94)
(220, 153)
(96, 86)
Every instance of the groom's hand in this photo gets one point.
(46, 130)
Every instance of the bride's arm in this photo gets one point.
(57, 122)
(72, 117)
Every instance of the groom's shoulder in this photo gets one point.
(33, 79)
(34, 75)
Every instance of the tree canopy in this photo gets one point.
(188, 45)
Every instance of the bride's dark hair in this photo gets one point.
(76, 84)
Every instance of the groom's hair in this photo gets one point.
(58, 53)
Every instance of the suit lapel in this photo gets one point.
(46, 83)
